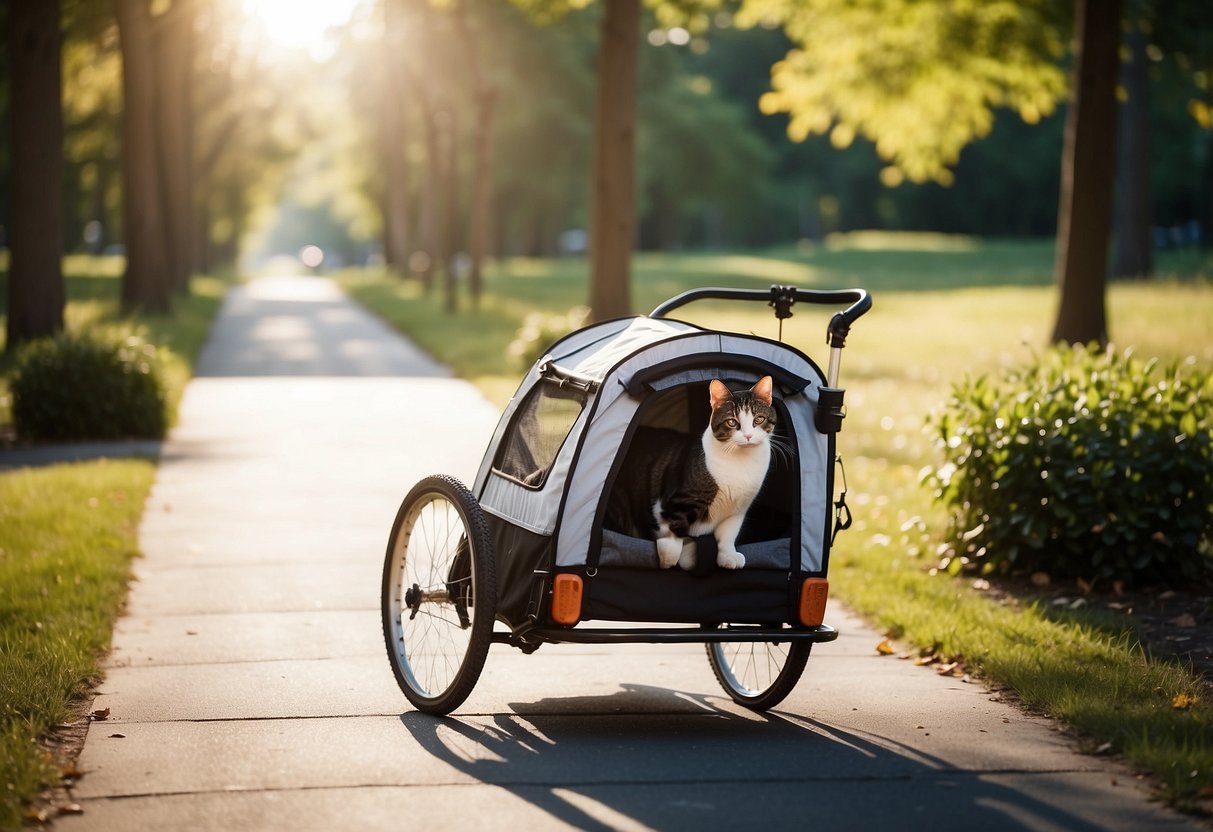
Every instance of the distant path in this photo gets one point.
(248, 688)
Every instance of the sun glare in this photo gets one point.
(301, 24)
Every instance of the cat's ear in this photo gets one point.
(719, 393)
(762, 390)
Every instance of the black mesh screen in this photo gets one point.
(542, 425)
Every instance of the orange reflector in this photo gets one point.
(813, 593)
(566, 599)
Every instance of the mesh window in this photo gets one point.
(536, 436)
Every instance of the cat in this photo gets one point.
(674, 486)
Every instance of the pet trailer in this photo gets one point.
(528, 545)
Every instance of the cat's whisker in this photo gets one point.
(781, 449)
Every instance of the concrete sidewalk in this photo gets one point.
(248, 688)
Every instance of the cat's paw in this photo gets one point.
(729, 559)
(669, 549)
(687, 559)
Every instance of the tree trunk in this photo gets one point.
(449, 236)
(1134, 221)
(482, 175)
(174, 55)
(1087, 171)
(36, 294)
(395, 166)
(145, 284)
(613, 188)
(426, 261)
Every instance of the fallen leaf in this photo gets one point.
(37, 815)
(1103, 749)
(100, 714)
(117, 736)
(1084, 586)
(1181, 701)
(1041, 579)
(885, 647)
(1118, 587)
(1185, 620)
(925, 660)
(981, 584)
(70, 809)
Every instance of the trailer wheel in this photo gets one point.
(758, 674)
(439, 594)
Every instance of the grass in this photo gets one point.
(67, 538)
(65, 553)
(944, 307)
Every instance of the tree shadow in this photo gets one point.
(645, 757)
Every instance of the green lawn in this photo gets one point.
(67, 538)
(65, 552)
(943, 307)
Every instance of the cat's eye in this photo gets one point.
(731, 424)
(758, 420)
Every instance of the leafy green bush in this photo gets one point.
(103, 384)
(1086, 463)
(540, 330)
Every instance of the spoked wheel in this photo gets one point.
(439, 594)
(758, 674)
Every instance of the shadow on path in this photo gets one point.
(590, 763)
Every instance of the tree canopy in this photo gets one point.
(919, 80)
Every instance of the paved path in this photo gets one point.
(248, 689)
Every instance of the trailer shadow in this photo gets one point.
(651, 758)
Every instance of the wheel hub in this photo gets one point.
(412, 600)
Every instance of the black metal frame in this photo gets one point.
(664, 635)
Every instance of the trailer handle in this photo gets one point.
(781, 298)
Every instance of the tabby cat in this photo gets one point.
(673, 486)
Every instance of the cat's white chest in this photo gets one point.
(739, 476)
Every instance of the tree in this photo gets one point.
(484, 93)
(395, 196)
(931, 74)
(35, 283)
(613, 168)
(145, 284)
(174, 43)
(1133, 235)
(1087, 173)
(613, 183)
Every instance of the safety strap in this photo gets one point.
(842, 512)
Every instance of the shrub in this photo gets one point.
(89, 385)
(540, 330)
(1086, 463)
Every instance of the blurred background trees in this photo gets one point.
(200, 134)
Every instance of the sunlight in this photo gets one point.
(301, 24)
